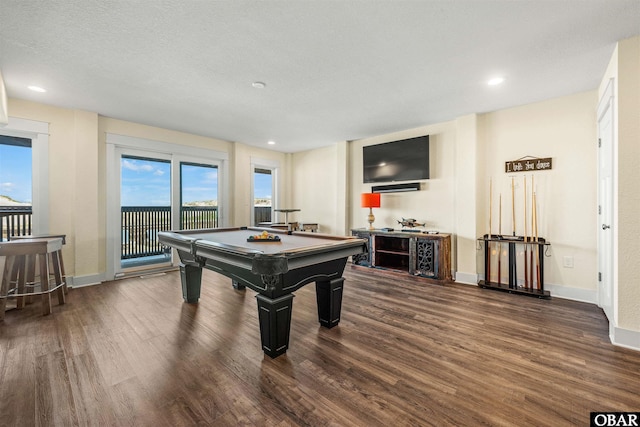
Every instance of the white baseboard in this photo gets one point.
(625, 338)
(466, 278)
(575, 294)
(79, 281)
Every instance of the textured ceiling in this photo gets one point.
(334, 70)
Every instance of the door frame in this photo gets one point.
(607, 289)
(274, 167)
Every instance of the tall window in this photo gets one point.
(15, 187)
(262, 195)
(145, 198)
(199, 196)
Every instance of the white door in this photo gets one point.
(606, 291)
(264, 191)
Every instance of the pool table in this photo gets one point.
(274, 269)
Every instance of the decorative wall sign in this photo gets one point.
(528, 164)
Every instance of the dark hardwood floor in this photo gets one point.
(405, 353)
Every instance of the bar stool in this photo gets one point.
(18, 264)
(58, 254)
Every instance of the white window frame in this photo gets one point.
(38, 133)
(274, 167)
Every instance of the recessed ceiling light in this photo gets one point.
(37, 89)
(271, 143)
(495, 81)
(259, 85)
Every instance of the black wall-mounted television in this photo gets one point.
(404, 160)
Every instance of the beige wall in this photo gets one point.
(465, 153)
(77, 177)
(315, 188)
(628, 177)
(565, 130)
(73, 180)
(242, 175)
(432, 205)
(624, 70)
(562, 128)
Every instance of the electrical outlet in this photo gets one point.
(567, 262)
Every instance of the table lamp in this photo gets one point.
(370, 200)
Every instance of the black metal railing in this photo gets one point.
(141, 224)
(140, 227)
(15, 221)
(261, 214)
(194, 217)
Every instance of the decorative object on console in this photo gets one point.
(410, 222)
(370, 200)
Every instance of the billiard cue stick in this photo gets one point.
(531, 237)
(537, 246)
(500, 243)
(513, 208)
(488, 266)
(524, 237)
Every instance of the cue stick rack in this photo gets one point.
(515, 263)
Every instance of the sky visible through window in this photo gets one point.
(262, 185)
(147, 182)
(199, 185)
(15, 174)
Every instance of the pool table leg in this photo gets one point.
(329, 299)
(191, 278)
(274, 315)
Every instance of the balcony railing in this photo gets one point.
(15, 221)
(261, 214)
(140, 224)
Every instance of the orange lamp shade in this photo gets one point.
(370, 200)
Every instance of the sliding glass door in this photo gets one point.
(154, 186)
(198, 196)
(145, 207)
(263, 186)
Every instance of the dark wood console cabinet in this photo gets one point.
(415, 253)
